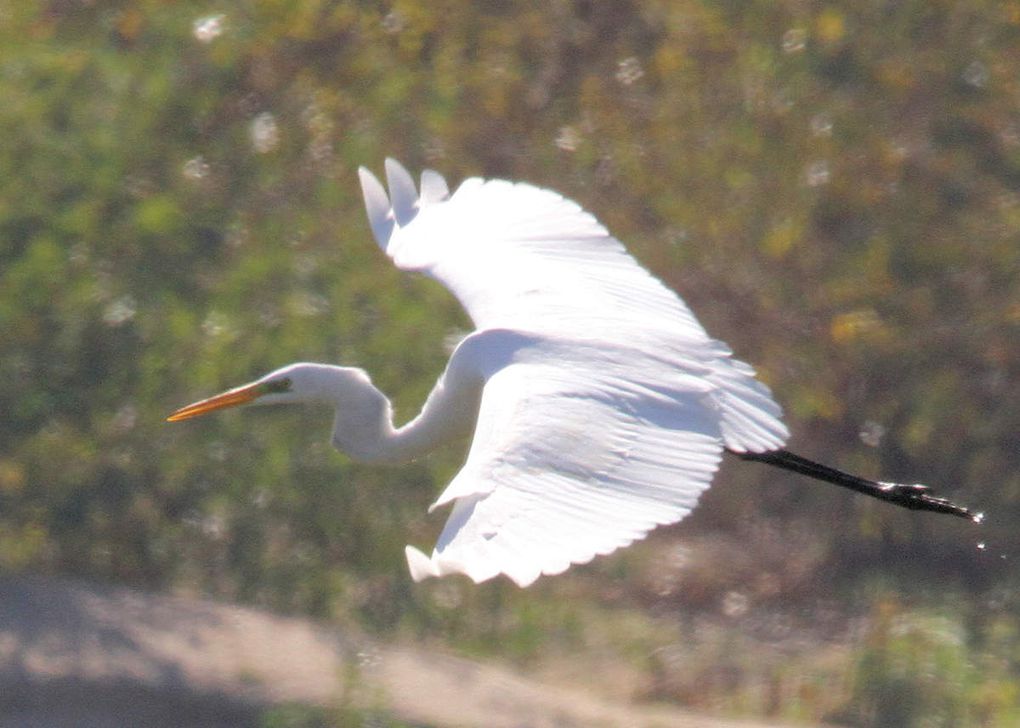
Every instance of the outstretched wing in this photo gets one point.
(578, 452)
(618, 428)
(572, 459)
(517, 256)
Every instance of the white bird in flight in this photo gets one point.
(600, 406)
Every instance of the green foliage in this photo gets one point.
(834, 187)
(301, 716)
(921, 669)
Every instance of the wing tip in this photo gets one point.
(377, 207)
(433, 187)
(423, 567)
(403, 193)
(420, 565)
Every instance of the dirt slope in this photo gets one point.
(77, 654)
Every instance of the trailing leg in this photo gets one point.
(916, 497)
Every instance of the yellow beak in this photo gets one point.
(231, 398)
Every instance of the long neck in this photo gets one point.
(364, 426)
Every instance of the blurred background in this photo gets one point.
(833, 187)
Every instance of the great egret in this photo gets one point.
(600, 406)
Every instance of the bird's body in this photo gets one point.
(600, 407)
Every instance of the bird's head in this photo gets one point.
(290, 384)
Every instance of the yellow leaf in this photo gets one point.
(830, 26)
(854, 325)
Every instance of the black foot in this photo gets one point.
(918, 497)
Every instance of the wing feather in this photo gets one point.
(561, 471)
(433, 187)
(617, 423)
(403, 194)
(518, 255)
(377, 205)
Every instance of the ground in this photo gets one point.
(90, 656)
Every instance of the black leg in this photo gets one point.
(916, 497)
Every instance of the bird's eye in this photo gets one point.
(278, 386)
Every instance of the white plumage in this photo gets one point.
(600, 407)
(605, 406)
